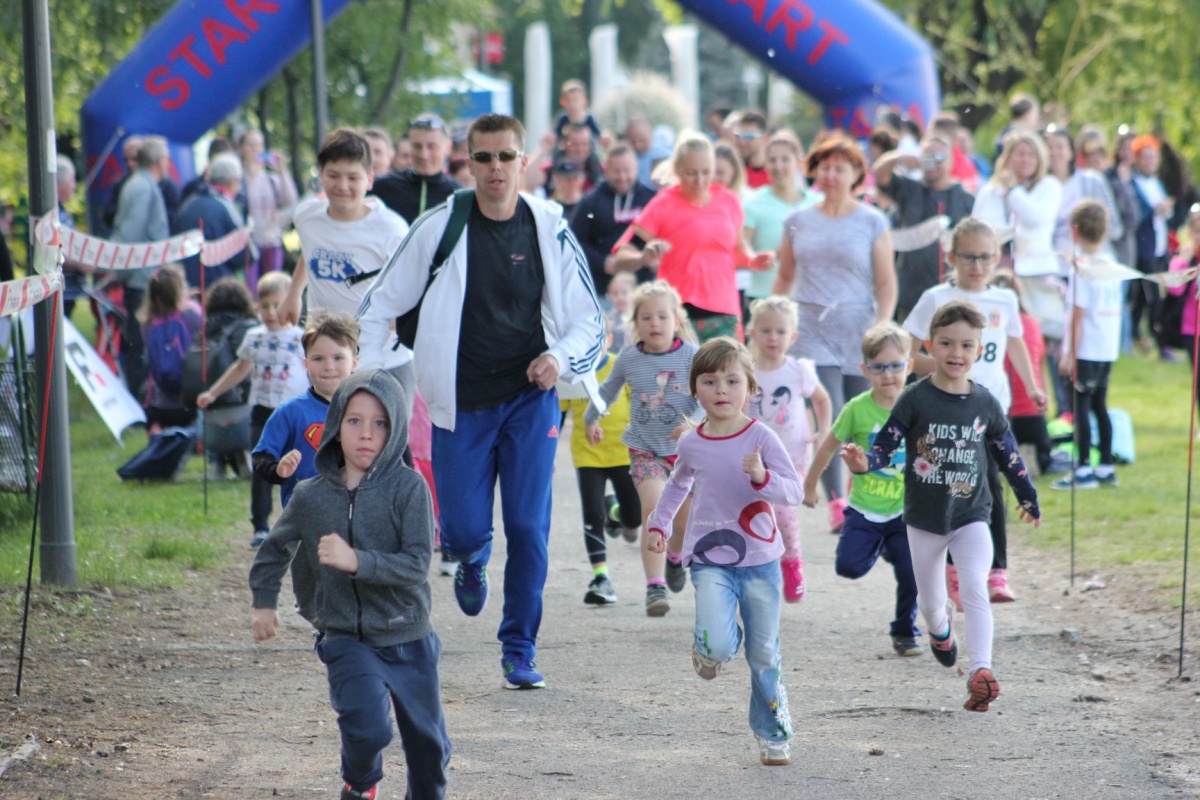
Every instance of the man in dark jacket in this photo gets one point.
(605, 212)
(213, 209)
(412, 192)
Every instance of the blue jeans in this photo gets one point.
(514, 442)
(860, 544)
(721, 592)
(365, 684)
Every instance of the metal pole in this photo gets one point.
(320, 96)
(57, 512)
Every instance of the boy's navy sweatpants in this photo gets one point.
(515, 442)
(861, 543)
(365, 683)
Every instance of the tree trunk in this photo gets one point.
(262, 109)
(379, 115)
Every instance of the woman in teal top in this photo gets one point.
(767, 207)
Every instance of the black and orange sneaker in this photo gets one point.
(364, 794)
(982, 690)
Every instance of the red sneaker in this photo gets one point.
(793, 579)
(952, 586)
(998, 591)
(837, 514)
(982, 690)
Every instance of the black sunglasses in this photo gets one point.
(505, 156)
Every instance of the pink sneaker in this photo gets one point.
(793, 579)
(952, 586)
(998, 591)
(837, 514)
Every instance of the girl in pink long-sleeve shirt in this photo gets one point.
(737, 470)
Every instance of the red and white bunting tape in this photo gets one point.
(103, 254)
(18, 295)
(221, 250)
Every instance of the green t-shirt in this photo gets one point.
(878, 495)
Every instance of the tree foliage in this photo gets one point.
(1107, 62)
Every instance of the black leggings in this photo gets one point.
(1032, 430)
(260, 489)
(1145, 300)
(592, 483)
(1091, 397)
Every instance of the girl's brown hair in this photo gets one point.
(722, 353)
(165, 293)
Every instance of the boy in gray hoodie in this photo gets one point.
(367, 528)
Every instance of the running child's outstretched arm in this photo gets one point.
(772, 473)
(673, 494)
(609, 390)
(826, 450)
(1008, 457)
(887, 441)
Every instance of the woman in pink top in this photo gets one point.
(691, 233)
(271, 197)
(1187, 261)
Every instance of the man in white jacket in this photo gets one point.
(511, 312)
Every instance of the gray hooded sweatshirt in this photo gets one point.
(387, 519)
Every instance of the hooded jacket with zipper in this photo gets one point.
(571, 318)
(387, 519)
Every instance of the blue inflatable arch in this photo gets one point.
(201, 61)
(852, 56)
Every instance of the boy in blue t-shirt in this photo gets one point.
(286, 452)
(874, 525)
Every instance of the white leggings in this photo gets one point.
(971, 547)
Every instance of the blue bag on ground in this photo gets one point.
(162, 458)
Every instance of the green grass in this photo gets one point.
(130, 535)
(1136, 530)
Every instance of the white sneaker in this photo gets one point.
(773, 754)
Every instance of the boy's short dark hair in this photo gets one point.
(722, 353)
(496, 123)
(344, 144)
(957, 311)
(880, 336)
(1089, 218)
(340, 328)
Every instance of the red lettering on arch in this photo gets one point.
(244, 10)
(828, 38)
(759, 7)
(838, 115)
(184, 50)
(219, 36)
(860, 126)
(795, 17)
(110, 173)
(161, 82)
(914, 113)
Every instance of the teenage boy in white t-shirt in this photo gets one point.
(1090, 346)
(346, 238)
(973, 253)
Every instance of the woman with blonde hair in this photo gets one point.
(691, 233)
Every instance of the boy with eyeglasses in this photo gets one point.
(413, 191)
(973, 254)
(873, 525)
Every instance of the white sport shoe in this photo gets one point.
(773, 754)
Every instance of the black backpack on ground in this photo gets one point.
(224, 336)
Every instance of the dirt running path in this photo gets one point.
(165, 695)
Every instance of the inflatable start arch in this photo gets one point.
(853, 56)
(201, 61)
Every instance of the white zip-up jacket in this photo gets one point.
(571, 316)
